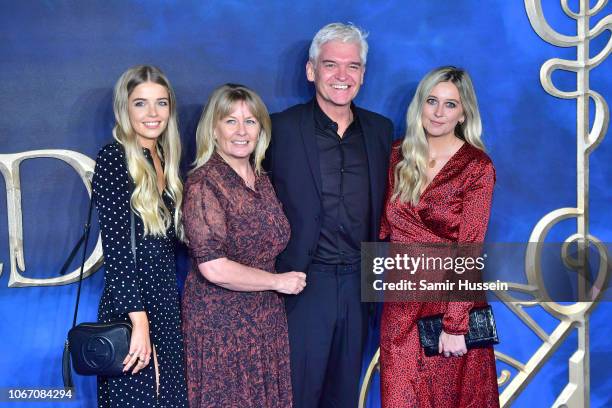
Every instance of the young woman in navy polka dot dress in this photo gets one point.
(139, 173)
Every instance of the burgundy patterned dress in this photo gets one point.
(453, 208)
(236, 343)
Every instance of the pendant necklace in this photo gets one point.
(431, 163)
(245, 180)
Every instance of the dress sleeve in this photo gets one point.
(472, 229)
(111, 194)
(477, 206)
(204, 221)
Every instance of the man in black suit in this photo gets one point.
(328, 163)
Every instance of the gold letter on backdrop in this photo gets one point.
(9, 167)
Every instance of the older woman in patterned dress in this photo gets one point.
(234, 320)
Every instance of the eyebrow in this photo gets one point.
(236, 117)
(144, 99)
(336, 62)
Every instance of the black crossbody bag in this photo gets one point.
(482, 331)
(95, 348)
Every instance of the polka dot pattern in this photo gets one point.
(149, 285)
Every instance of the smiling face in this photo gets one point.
(337, 74)
(442, 110)
(149, 110)
(237, 133)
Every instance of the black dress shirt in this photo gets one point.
(345, 191)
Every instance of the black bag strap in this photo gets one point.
(73, 253)
(84, 240)
(133, 236)
(66, 367)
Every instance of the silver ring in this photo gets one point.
(130, 354)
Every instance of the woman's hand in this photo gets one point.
(140, 344)
(290, 283)
(451, 345)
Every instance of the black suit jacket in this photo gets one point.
(292, 162)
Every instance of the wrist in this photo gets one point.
(275, 281)
(139, 319)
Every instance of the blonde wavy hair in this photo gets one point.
(221, 104)
(146, 201)
(410, 173)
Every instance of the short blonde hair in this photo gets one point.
(221, 104)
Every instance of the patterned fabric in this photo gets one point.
(453, 208)
(150, 286)
(236, 343)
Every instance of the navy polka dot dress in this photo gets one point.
(149, 286)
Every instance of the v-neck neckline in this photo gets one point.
(237, 176)
(436, 177)
(160, 155)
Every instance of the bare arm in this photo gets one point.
(235, 276)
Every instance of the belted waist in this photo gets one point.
(340, 269)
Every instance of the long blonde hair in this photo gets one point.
(410, 173)
(146, 201)
(219, 105)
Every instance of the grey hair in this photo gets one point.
(346, 33)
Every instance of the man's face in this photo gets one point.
(337, 74)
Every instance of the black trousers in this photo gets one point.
(327, 325)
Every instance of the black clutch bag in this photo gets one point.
(482, 331)
(95, 348)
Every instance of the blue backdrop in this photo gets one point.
(60, 59)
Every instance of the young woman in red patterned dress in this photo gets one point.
(440, 188)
